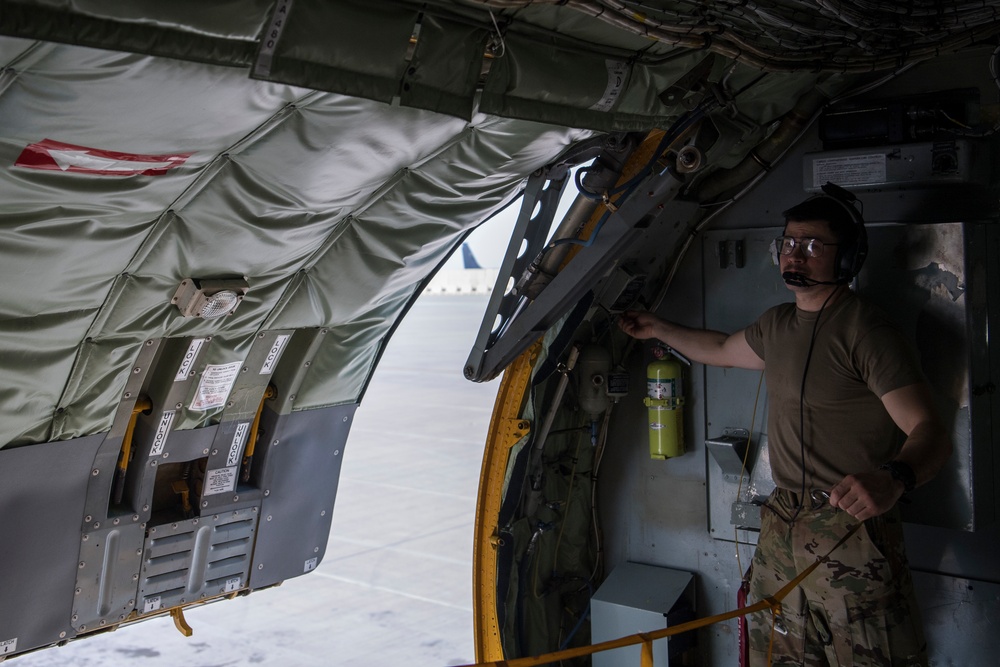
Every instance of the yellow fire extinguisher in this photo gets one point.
(664, 399)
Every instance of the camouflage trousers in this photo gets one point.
(856, 609)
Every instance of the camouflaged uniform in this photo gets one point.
(858, 608)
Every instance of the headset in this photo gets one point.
(851, 253)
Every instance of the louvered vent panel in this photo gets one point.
(194, 559)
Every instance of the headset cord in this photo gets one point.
(802, 401)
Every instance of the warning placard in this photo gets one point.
(220, 480)
(849, 170)
(216, 383)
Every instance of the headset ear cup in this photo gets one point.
(851, 256)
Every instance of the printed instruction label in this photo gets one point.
(233, 584)
(152, 604)
(660, 390)
(8, 646)
(220, 480)
(617, 76)
(162, 431)
(849, 170)
(187, 363)
(239, 439)
(310, 565)
(216, 383)
(274, 354)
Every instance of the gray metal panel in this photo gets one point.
(42, 491)
(916, 274)
(955, 553)
(304, 451)
(294, 366)
(108, 575)
(959, 618)
(635, 598)
(739, 399)
(610, 621)
(900, 166)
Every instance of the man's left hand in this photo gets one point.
(866, 494)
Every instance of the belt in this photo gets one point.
(815, 499)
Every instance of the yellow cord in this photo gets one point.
(746, 454)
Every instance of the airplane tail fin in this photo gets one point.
(468, 258)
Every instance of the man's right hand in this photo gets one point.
(640, 324)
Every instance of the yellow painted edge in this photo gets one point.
(506, 429)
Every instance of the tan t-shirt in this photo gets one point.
(857, 357)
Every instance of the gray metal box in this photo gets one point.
(898, 165)
(636, 598)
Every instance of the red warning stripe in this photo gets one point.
(58, 156)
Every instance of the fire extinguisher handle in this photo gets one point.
(661, 350)
(680, 357)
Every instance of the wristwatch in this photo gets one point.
(903, 472)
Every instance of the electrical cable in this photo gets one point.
(586, 243)
(578, 180)
(595, 467)
(802, 400)
(499, 35)
(843, 36)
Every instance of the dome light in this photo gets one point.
(209, 299)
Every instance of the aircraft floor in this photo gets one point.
(394, 588)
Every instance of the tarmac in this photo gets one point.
(395, 585)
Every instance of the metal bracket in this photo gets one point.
(531, 230)
(506, 333)
(730, 451)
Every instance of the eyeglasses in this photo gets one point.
(786, 245)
